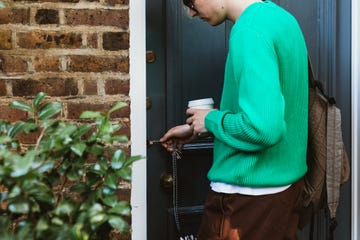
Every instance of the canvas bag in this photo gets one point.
(328, 163)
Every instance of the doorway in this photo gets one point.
(184, 56)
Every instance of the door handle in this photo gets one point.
(166, 181)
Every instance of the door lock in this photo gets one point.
(166, 181)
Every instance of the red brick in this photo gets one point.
(117, 18)
(51, 86)
(8, 15)
(47, 16)
(125, 128)
(123, 194)
(28, 138)
(116, 235)
(113, 2)
(75, 109)
(90, 87)
(81, 63)
(92, 40)
(49, 64)
(57, 1)
(2, 87)
(117, 86)
(5, 40)
(114, 41)
(46, 40)
(10, 64)
(12, 114)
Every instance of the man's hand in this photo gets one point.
(196, 119)
(177, 136)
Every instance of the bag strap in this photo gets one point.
(334, 153)
(311, 77)
(315, 84)
(334, 158)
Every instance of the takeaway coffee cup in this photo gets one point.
(205, 103)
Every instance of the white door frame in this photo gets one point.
(137, 12)
(355, 89)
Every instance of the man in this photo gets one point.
(260, 130)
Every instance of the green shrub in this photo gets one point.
(64, 186)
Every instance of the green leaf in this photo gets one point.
(117, 106)
(97, 149)
(118, 159)
(5, 140)
(19, 206)
(97, 215)
(90, 114)
(35, 207)
(49, 122)
(79, 187)
(30, 126)
(120, 138)
(16, 129)
(21, 106)
(4, 223)
(42, 225)
(40, 191)
(64, 209)
(124, 173)
(4, 126)
(121, 208)
(78, 232)
(98, 219)
(75, 173)
(46, 167)
(25, 230)
(57, 221)
(21, 166)
(129, 161)
(96, 168)
(105, 128)
(93, 178)
(78, 148)
(38, 99)
(119, 223)
(48, 110)
(81, 130)
(106, 191)
(103, 162)
(15, 191)
(111, 180)
(110, 200)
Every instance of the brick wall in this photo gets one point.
(77, 51)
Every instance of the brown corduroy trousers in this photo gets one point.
(244, 217)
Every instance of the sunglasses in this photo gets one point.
(189, 4)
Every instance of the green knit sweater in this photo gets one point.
(261, 127)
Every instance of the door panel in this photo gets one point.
(190, 58)
(189, 64)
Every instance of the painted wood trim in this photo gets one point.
(355, 89)
(137, 17)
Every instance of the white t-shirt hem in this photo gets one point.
(253, 191)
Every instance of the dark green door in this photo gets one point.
(189, 64)
(185, 61)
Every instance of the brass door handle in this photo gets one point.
(166, 181)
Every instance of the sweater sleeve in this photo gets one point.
(251, 117)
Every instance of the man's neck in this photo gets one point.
(237, 7)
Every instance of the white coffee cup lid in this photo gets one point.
(200, 102)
